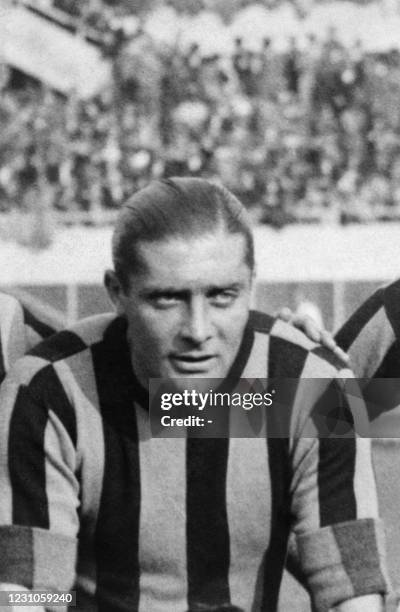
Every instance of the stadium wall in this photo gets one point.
(333, 268)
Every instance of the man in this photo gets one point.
(91, 501)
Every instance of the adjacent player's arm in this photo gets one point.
(340, 538)
(40, 491)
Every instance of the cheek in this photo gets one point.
(232, 324)
(154, 329)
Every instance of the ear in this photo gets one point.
(114, 290)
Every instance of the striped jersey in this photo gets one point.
(90, 500)
(20, 330)
(372, 338)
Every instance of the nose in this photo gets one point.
(197, 326)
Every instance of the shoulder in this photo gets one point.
(70, 348)
(290, 352)
(74, 339)
(22, 326)
(371, 335)
(33, 318)
(20, 330)
(58, 379)
(305, 376)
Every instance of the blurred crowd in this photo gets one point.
(310, 134)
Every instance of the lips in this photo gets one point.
(192, 363)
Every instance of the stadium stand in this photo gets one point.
(306, 132)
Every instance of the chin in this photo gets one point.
(197, 382)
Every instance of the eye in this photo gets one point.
(222, 298)
(165, 300)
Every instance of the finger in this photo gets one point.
(328, 340)
(311, 329)
(285, 314)
(341, 354)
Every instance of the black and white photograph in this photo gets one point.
(200, 305)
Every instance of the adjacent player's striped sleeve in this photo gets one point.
(39, 490)
(371, 335)
(372, 338)
(339, 535)
(20, 331)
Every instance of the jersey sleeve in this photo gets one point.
(39, 499)
(21, 328)
(334, 504)
(369, 337)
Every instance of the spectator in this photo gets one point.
(302, 119)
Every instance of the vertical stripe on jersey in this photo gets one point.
(336, 456)
(336, 469)
(207, 529)
(27, 462)
(162, 537)
(257, 363)
(336, 466)
(26, 448)
(242, 356)
(248, 489)
(274, 559)
(117, 529)
(248, 505)
(285, 359)
(78, 373)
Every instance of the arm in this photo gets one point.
(339, 535)
(38, 506)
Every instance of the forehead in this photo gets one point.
(194, 262)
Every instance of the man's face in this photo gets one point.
(188, 309)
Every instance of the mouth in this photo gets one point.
(191, 363)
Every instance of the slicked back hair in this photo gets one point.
(176, 208)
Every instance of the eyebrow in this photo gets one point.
(153, 293)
